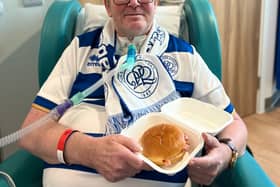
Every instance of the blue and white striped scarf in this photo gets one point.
(132, 94)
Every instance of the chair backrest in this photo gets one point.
(204, 33)
(60, 23)
(57, 32)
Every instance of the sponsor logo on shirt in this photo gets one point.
(99, 58)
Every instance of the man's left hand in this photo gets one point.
(204, 169)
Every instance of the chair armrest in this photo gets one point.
(24, 168)
(247, 172)
(204, 33)
(57, 32)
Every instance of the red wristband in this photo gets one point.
(61, 144)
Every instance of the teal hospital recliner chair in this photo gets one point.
(57, 32)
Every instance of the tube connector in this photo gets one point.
(61, 109)
(130, 59)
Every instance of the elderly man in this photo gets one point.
(91, 154)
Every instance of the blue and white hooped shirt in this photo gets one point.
(84, 62)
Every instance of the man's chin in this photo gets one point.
(138, 29)
(134, 33)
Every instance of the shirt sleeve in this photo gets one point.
(207, 87)
(57, 87)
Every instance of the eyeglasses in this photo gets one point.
(124, 2)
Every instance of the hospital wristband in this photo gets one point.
(61, 144)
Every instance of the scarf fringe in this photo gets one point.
(118, 122)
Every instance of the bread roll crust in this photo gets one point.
(164, 144)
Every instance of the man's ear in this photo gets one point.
(107, 6)
(157, 2)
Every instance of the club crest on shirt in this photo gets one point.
(142, 80)
(170, 64)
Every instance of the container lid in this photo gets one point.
(201, 116)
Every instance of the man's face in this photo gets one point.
(133, 18)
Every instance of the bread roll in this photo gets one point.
(164, 144)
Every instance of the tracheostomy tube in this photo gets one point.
(130, 58)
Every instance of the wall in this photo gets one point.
(248, 34)
(267, 54)
(239, 25)
(19, 44)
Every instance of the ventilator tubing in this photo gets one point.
(59, 110)
(55, 113)
(52, 115)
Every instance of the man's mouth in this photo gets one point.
(133, 14)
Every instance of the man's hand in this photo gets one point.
(203, 170)
(114, 157)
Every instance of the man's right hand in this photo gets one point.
(114, 157)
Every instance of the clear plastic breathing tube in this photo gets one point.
(59, 110)
(22, 132)
(54, 114)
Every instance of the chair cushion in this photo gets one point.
(93, 16)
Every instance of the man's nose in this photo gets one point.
(133, 3)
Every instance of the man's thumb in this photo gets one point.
(209, 140)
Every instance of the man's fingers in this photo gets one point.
(209, 141)
(147, 167)
(129, 143)
(203, 163)
(130, 147)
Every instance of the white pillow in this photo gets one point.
(93, 16)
